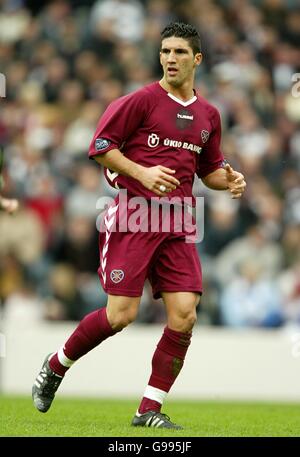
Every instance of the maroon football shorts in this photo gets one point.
(128, 257)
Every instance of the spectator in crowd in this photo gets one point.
(251, 299)
(10, 205)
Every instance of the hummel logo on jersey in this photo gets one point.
(204, 135)
(153, 140)
(117, 276)
(185, 116)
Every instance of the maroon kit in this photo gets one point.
(152, 127)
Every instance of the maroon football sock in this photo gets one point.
(91, 331)
(167, 362)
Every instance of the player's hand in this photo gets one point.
(154, 177)
(236, 182)
(9, 205)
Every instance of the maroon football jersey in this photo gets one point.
(153, 127)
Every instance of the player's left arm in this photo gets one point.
(226, 179)
(211, 168)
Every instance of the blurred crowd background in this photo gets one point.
(64, 62)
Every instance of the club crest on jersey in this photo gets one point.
(153, 140)
(117, 275)
(204, 135)
(101, 143)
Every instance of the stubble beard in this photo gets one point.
(179, 79)
(175, 82)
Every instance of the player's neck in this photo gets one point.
(184, 92)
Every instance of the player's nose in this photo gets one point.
(171, 57)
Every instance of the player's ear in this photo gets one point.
(198, 58)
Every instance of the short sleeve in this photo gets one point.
(118, 123)
(211, 157)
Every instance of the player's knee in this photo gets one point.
(190, 320)
(190, 313)
(121, 311)
(183, 321)
(122, 320)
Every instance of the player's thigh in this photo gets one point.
(181, 309)
(122, 310)
(125, 258)
(177, 269)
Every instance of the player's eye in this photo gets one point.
(165, 51)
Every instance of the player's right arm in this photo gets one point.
(151, 178)
(119, 122)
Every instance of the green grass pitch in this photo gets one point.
(107, 418)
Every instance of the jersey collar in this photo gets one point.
(181, 102)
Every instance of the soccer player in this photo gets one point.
(151, 142)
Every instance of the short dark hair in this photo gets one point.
(186, 31)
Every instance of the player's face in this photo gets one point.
(178, 61)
